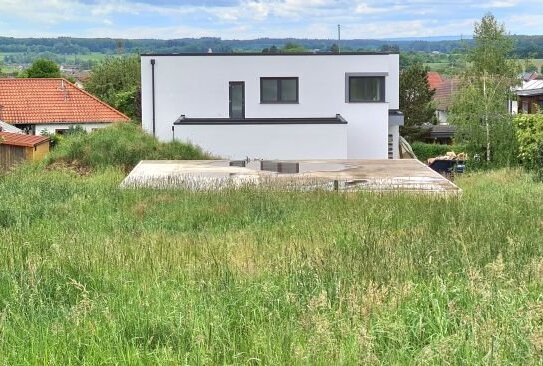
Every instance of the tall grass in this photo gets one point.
(121, 145)
(91, 274)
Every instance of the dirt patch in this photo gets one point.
(72, 166)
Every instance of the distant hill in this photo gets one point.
(428, 39)
(525, 46)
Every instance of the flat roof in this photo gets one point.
(270, 54)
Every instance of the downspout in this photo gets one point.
(153, 92)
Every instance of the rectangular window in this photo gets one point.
(279, 90)
(364, 89)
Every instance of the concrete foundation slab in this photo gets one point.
(406, 175)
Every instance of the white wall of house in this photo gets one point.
(198, 87)
(52, 128)
(6, 127)
(255, 141)
(442, 116)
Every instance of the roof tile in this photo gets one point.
(434, 79)
(39, 101)
(445, 93)
(16, 139)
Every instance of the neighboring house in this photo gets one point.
(434, 80)
(527, 76)
(443, 98)
(15, 148)
(6, 127)
(530, 97)
(440, 134)
(275, 106)
(52, 105)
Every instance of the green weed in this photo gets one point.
(92, 274)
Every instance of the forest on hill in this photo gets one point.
(525, 46)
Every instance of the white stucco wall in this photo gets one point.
(262, 141)
(51, 128)
(442, 116)
(198, 87)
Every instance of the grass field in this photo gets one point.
(90, 274)
(446, 69)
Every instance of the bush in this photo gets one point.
(424, 151)
(55, 138)
(121, 145)
(529, 132)
(538, 166)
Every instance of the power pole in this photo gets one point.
(339, 38)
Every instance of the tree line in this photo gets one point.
(523, 46)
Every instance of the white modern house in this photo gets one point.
(275, 106)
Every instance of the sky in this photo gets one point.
(249, 19)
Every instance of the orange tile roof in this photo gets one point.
(16, 139)
(40, 101)
(445, 93)
(434, 79)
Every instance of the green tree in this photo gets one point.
(42, 68)
(416, 101)
(293, 48)
(480, 108)
(334, 48)
(530, 67)
(116, 80)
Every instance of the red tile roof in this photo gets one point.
(16, 139)
(434, 79)
(39, 101)
(445, 92)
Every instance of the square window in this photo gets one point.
(363, 89)
(279, 90)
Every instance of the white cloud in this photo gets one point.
(364, 8)
(261, 18)
(499, 4)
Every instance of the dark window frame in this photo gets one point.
(382, 82)
(230, 85)
(279, 91)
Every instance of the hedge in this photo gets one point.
(424, 151)
(529, 132)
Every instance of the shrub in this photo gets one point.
(55, 138)
(424, 151)
(529, 132)
(121, 145)
(538, 162)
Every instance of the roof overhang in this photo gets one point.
(338, 119)
(260, 54)
(529, 93)
(395, 118)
